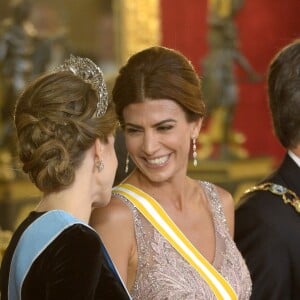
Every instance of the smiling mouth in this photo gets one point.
(158, 161)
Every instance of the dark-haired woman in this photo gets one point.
(169, 235)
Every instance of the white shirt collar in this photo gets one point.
(294, 157)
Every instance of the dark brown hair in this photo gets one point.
(159, 73)
(56, 124)
(284, 94)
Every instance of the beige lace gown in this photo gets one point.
(163, 274)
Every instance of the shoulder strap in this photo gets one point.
(156, 215)
(288, 196)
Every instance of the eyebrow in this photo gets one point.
(155, 125)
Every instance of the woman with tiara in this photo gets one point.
(65, 128)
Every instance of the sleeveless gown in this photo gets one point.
(163, 274)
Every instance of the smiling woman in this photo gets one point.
(158, 143)
(169, 235)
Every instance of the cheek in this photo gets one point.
(184, 144)
(179, 140)
(132, 145)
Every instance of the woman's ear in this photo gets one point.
(196, 127)
(98, 148)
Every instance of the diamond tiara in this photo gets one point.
(88, 71)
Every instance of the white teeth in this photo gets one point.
(158, 161)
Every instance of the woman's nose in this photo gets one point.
(150, 143)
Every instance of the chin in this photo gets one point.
(158, 178)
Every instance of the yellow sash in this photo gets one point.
(156, 215)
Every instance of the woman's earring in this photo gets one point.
(127, 163)
(99, 165)
(195, 162)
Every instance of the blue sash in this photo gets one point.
(34, 240)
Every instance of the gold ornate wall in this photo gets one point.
(137, 26)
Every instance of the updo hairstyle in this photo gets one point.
(56, 123)
(159, 73)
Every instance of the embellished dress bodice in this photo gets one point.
(162, 273)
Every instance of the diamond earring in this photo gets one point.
(127, 163)
(195, 162)
(99, 165)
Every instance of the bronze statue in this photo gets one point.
(219, 81)
(23, 55)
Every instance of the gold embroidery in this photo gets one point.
(288, 196)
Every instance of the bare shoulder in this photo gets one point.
(228, 207)
(226, 198)
(115, 212)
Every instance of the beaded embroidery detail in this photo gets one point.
(163, 274)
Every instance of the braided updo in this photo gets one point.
(56, 123)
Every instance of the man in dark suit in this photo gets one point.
(267, 225)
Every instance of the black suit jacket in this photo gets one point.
(267, 232)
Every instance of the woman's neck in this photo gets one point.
(68, 201)
(173, 192)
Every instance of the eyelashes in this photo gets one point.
(164, 128)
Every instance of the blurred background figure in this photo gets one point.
(220, 86)
(23, 55)
(25, 52)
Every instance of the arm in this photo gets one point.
(114, 223)
(72, 265)
(266, 255)
(245, 65)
